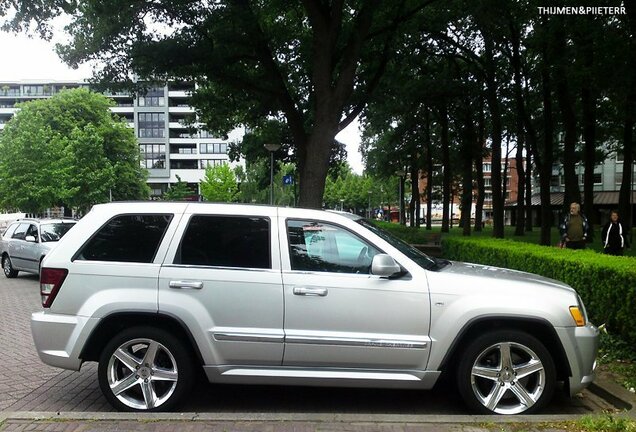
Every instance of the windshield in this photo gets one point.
(420, 258)
(53, 232)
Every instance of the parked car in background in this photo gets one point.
(26, 241)
(156, 292)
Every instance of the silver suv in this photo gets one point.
(155, 292)
(26, 241)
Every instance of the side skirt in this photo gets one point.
(323, 377)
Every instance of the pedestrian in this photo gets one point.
(574, 228)
(614, 236)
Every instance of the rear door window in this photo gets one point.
(226, 241)
(127, 238)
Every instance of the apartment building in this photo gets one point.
(171, 142)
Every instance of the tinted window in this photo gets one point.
(20, 231)
(54, 231)
(127, 238)
(317, 246)
(226, 241)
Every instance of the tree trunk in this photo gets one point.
(415, 192)
(429, 170)
(528, 185)
(469, 141)
(479, 169)
(446, 188)
(589, 135)
(566, 106)
(625, 200)
(495, 114)
(313, 166)
(545, 157)
(519, 115)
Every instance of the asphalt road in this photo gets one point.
(26, 384)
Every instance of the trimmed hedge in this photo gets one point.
(607, 284)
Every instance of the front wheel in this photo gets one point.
(506, 372)
(145, 369)
(9, 271)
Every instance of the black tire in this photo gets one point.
(488, 385)
(145, 387)
(7, 266)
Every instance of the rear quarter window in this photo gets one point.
(127, 238)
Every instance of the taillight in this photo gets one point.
(51, 280)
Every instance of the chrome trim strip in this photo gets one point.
(193, 266)
(356, 342)
(248, 337)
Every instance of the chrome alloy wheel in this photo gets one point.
(142, 374)
(6, 266)
(508, 378)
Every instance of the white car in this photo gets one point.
(267, 295)
(25, 242)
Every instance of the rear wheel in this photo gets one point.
(145, 369)
(506, 372)
(9, 271)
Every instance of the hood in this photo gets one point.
(502, 275)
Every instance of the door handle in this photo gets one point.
(321, 292)
(186, 284)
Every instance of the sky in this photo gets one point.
(27, 58)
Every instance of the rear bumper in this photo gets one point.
(58, 338)
(581, 347)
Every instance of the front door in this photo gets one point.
(338, 315)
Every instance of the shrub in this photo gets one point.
(607, 284)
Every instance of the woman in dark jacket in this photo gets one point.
(614, 236)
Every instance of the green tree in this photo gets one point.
(219, 184)
(68, 150)
(178, 191)
(313, 64)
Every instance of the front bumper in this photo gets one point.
(59, 338)
(581, 347)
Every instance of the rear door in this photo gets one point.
(222, 278)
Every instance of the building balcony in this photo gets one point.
(122, 109)
(181, 110)
(8, 111)
(179, 93)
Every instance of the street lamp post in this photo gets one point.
(369, 205)
(271, 148)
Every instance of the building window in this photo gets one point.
(154, 98)
(555, 180)
(153, 156)
(34, 90)
(205, 134)
(488, 196)
(183, 164)
(618, 177)
(487, 167)
(214, 148)
(151, 125)
(205, 163)
(487, 182)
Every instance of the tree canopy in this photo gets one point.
(68, 151)
(219, 184)
(312, 64)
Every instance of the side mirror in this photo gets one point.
(384, 265)
(30, 239)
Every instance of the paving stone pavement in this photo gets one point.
(26, 383)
